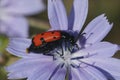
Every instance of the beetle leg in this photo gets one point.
(58, 53)
(77, 46)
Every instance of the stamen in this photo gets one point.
(65, 45)
(58, 53)
(77, 58)
(62, 65)
(77, 46)
(69, 46)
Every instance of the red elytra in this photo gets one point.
(47, 37)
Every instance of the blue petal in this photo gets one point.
(102, 49)
(98, 75)
(25, 67)
(97, 29)
(110, 65)
(44, 73)
(57, 15)
(24, 7)
(78, 14)
(14, 26)
(81, 74)
(17, 46)
(60, 74)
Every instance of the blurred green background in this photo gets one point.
(40, 23)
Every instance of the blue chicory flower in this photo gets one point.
(12, 16)
(93, 60)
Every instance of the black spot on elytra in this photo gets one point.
(54, 37)
(42, 39)
(52, 32)
(42, 33)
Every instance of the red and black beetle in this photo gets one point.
(48, 41)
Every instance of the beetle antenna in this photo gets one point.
(79, 35)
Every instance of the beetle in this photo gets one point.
(47, 41)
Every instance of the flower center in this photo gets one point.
(64, 54)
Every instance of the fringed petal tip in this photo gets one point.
(106, 18)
